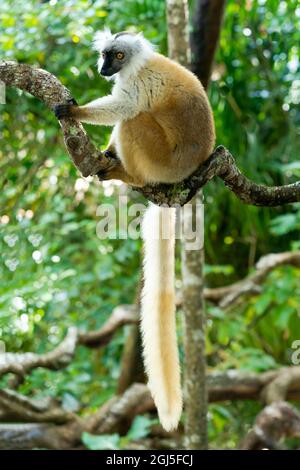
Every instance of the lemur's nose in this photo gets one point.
(106, 71)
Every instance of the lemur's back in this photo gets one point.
(168, 142)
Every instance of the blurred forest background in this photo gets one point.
(56, 273)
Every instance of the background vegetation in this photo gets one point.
(54, 270)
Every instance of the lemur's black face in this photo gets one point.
(113, 61)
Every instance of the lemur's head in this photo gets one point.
(122, 52)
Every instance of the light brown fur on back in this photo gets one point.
(168, 142)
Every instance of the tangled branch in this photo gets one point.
(91, 161)
(30, 424)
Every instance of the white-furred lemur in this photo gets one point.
(163, 129)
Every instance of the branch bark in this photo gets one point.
(46, 425)
(275, 422)
(91, 161)
(23, 363)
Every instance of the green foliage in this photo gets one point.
(255, 96)
(139, 429)
(258, 334)
(55, 272)
(103, 442)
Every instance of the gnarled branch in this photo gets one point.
(54, 428)
(275, 422)
(90, 161)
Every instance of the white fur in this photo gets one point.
(142, 47)
(140, 59)
(158, 325)
(101, 38)
(129, 97)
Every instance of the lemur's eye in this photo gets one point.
(103, 55)
(120, 55)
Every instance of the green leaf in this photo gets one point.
(103, 442)
(139, 428)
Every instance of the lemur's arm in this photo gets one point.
(105, 111)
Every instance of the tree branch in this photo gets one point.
(15, 407)
(23, 363)
(276, 421)
(206, 26)
(121, 315)
(228, 295)
(53, 428)
(91, 161)
(47, 88)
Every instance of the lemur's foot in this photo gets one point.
(64, 110)
(105, 174)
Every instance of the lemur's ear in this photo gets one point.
(100, 38)
(147, 45)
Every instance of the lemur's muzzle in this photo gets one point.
(107, 71)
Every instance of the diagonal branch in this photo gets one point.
(47, 88)
(228, 295)
(91, 161)
(121, 315)
(23, 363)
(15, 407)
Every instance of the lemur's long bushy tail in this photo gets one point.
(158, 314)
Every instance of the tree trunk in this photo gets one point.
(206, 27)
(204, 38)
(194, 336)
(195, 396)
(132, 368)
(178, 31)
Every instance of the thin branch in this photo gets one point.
(118, 413)
(23, 363)
(121, 315)
(277, 390)
(47, 88)
(91, 161)
(228, 295)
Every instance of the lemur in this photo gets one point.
(163, 129)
